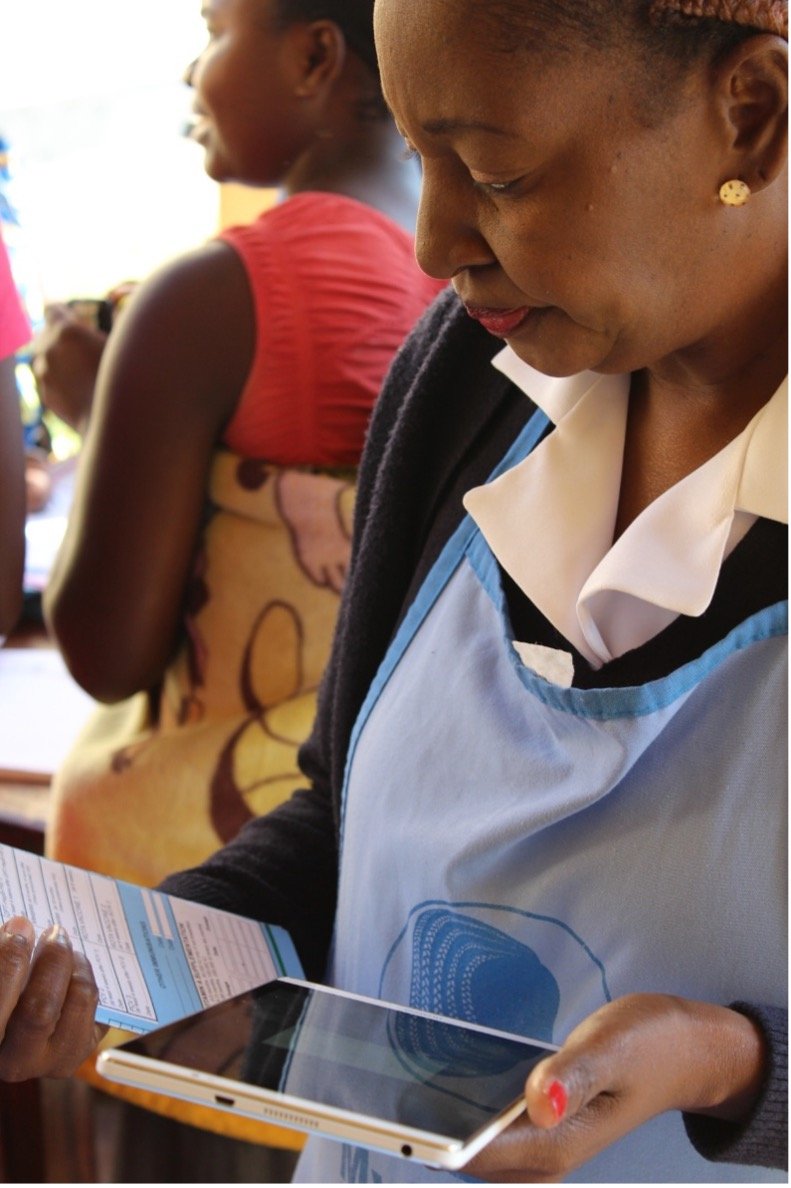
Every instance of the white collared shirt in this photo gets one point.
(550, 519)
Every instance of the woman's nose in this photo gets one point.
(447, 236)
(189, 74)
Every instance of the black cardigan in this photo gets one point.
(444, 420)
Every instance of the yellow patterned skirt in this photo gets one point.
(160, 781)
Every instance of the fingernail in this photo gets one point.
(56, 934)
(17, 928)
(559, 1098)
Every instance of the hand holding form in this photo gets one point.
(628, 1062)
(66, 360)
(48, 998)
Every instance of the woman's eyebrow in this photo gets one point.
(443, 127)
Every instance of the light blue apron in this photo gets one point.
(518, 854)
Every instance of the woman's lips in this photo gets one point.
(501, 322)
(197, 125)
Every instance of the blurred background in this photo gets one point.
(98, 182)
(93, 109)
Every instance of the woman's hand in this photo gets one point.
(631, 1060)
(66, 357)
(312, 508)
(48, 998)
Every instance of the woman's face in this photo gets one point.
(247, 118)
(586, 238)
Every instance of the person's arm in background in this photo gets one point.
(169, 379)
(12, 499)
(14, 333)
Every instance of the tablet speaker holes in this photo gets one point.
(222, 1100)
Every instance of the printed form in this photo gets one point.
(156, 958)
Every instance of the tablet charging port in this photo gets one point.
(222, 1100)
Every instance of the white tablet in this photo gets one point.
(319, 1060)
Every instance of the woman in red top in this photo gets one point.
(238, 381)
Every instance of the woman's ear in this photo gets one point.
(321, 50)
(754, 89)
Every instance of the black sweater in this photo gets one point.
(444, 420)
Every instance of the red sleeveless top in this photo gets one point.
(336, 289)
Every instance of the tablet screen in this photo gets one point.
(350, 1054)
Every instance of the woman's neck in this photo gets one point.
(681, 417)
(369, 167)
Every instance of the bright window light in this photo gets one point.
(93, 107)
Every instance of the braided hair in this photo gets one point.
(675, 28)
(764, 16)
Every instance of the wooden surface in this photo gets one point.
(23, 815)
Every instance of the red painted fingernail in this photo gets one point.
(559, 1097)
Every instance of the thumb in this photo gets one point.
(631, 1046)
(586, 1066)
(557, 1089)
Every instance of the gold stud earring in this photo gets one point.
(734, 193)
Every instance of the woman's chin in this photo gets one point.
(215, 168)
